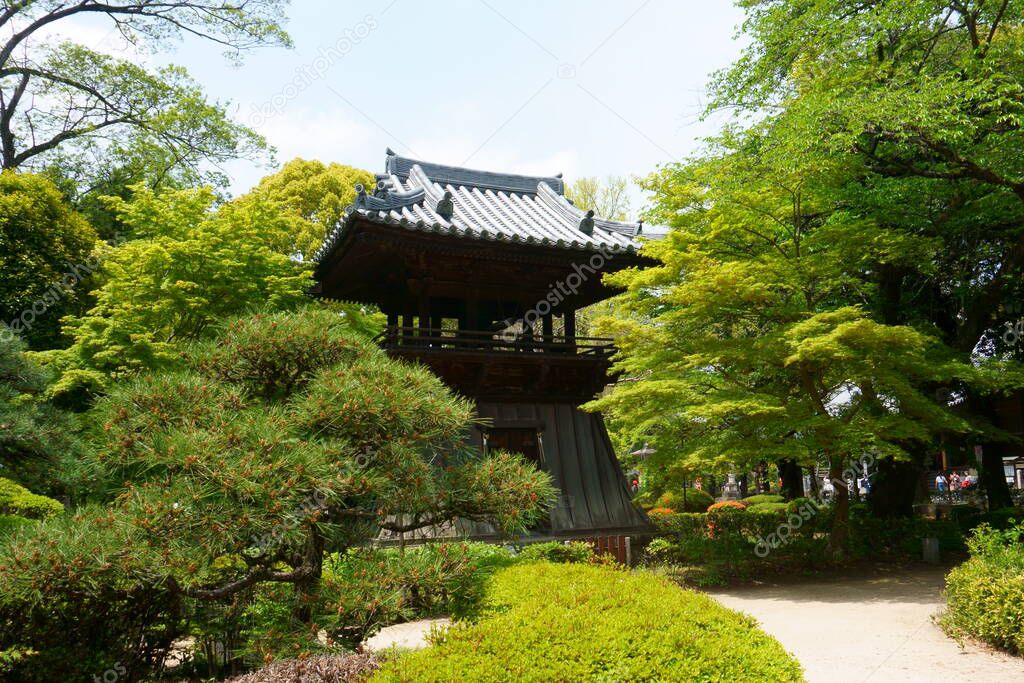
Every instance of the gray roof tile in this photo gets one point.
(489, 206)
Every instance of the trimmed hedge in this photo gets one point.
(730, 542)
(553, 551)
(17, 500)
(761, 498)
(574, 622)
(736, 542)
(768, 508)
(986, 594)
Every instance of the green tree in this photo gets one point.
(316, 194)
(189, 266)
(754, 339)
(608, 198)
(87, 114)
(286, 438)
(926, 98)
(45, 253)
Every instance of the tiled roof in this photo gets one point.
(501, 207)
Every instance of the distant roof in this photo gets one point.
(467, 203)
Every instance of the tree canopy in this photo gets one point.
(45, 254)
(85, 114)
(607, 198)
(188, 266)
(315, 193)
(843, 249)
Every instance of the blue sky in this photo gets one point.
(579, 87)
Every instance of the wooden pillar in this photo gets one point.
(406, 327)
(424, 314)
(392, 331)
(473, 314)
(549, 327)
(570, 326)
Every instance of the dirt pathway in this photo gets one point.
(870, 630)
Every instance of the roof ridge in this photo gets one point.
(444, 174)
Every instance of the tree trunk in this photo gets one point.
(839, 539)
(990, 472)
(894, 488)
(792, 475)
(992, 478)
(307, 590)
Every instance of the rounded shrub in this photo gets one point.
(985, 595)
(578, 622)
(768, 508)
(727, 506)
(19, 501)
(553, 551)
(694, 501)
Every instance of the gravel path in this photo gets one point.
(877, 629)
(412, 635)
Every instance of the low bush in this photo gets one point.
(553, 551)
(18, 500)
(690, 500)
(985, 595)
(731, 543)
(768, 508)
(727, 506)
(575, 622)
(762, 498)
(898, 537)
(318, 669)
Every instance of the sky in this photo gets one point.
(583, 88)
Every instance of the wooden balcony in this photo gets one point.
(503, 366)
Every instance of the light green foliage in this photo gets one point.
(19, 501)
(315, 195)
(751, 340)
(767, 508)
(575, 622)
(918, 104)
(986, 593)
(607, 198)
(693, 500)
(41, 240)
(189, 266)
(553, 551)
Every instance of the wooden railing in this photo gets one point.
(471, 340)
